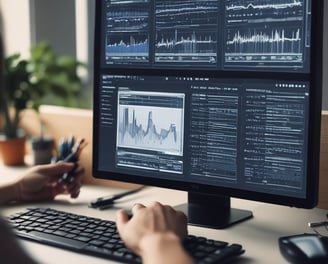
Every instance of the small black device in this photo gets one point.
(304, 248)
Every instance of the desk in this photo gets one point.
(259, 235)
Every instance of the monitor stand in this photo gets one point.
(212, 211)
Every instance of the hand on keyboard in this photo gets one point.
(155, 232)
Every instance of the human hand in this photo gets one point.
(41, 182)
(156, 219)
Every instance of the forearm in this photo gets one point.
(8, 193)
(164, 249)
(10, 251)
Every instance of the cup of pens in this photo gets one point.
(42, 148)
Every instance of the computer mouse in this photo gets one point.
(304, 248)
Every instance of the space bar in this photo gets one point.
(56, 240)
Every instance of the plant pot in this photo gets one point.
(12, 151)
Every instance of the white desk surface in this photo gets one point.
(259, 235)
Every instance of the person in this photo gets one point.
(38, 183)
(155, 233)
(41, 183)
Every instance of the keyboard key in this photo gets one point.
(53, 239)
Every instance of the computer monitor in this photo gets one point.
(218, 98)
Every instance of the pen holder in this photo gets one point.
(42, 150)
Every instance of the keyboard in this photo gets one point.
(100, 238)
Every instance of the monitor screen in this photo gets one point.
(217, 98)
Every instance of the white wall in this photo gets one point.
(68, 25)
(16, 22)
(58, 21)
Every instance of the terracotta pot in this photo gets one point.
(12, 151)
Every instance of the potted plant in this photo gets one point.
(27, 82)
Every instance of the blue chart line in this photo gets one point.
(139, 128)
(127, 47)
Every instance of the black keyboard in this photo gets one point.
(99, 237)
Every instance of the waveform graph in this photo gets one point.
(151, 128)
(275, 41)
(127, 45)
(277, 47)
(184, 13)
(186, 47)
(122, 20)
(186, 32)
(269, 34)
(127, 32)
(276, 10)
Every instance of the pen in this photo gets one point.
(73, 156)
(318, 224)
(107, 201)
(76, 149)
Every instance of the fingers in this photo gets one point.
(137, 207)
(72, 188)
(55, 168)
(46, 194)
(78, 170)
(158, 207)
(122, 218)
(173, 219)
(166, 209)
(64, 187)
(54, 171)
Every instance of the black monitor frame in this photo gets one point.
(205, 198)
